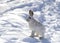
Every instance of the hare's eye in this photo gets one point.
(29, 17)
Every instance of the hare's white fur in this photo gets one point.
(36, 27)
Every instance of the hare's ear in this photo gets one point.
(31, 13)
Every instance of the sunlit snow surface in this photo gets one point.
(14, 27)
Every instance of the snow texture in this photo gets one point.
(14, 27)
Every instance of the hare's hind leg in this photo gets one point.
(41, 36)
(32, 34)
(36, 35)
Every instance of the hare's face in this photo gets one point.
(29, 18)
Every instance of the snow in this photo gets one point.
(14, 27)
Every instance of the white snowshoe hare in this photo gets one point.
(37, 28)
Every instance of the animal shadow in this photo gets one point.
(34, 40)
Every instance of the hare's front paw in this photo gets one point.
(31, 36)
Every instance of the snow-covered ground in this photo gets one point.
(14, 27)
